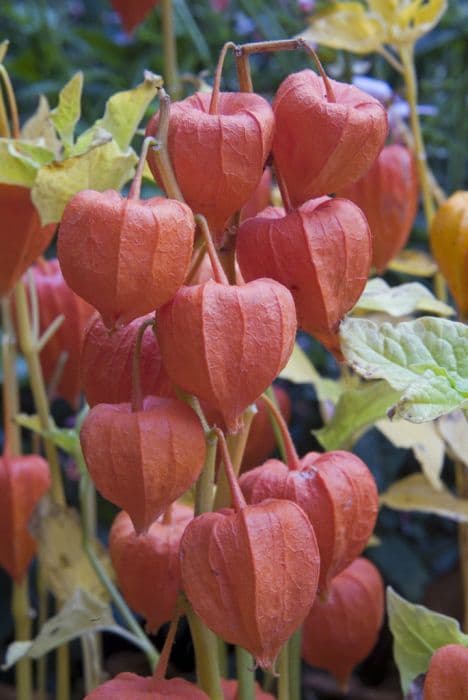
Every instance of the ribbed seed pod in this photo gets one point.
(388, 195)
(341, 631)
(23, 482)
(56, 298)
(106, 363)
(129, 686)
(447, 676)
(236, 340)
(126, 257)
(143, 460)
(22, 238)
(321, 252)
(449, 243)
(147, 565)
(218, 159)
(321, 146)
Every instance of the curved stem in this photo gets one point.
(326, 81)
(137, 398)
(236, 445)
(217, 77)
(10, 93)
(161, 668)
(160, 151)
(12, 441)
(283, 190)
(245, 675)
(205, 482)
(196, 264)
(292, 459)
(20, 609)
(244, 75)
(171, 73)
(237, 496)
(218, 271)
(135, 187)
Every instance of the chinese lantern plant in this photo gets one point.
(446, 678)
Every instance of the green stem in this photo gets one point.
(283, 680)
(42, 615)
(245, 675)
(206, 655)
(171, 73)
(63, 672)
(236, 445)
(295, 666)
(205, 484)
(20, 609)
(12, 441)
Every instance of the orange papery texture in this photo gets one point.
(341, 631)
(251, 575)
(129, 686)
(388, 195)
(22, 238)
(143, 460)
(260, 199)
(147, 565)
(321, 252)
(23, 482)
(337, 492)
(107, 359)
(226, 344)
(230, 689)
(447, 676)
(320, 146)
(219, 158)
(56, 298)
(449, 243)
(126, 257)
(133, 12)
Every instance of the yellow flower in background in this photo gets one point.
(367, 27)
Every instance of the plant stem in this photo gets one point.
(12, 442)
(137, 398)
(461, 474)
(63, 672)
(206, 655)
(42, 614)
(160, 152)
(295, 666)
(217, 77)
(171, 73)
(283, 680)
(10, 93)
(286, 445)
(218, 270)
(244, 75)
(245, 675)
(205, 483)
(135, 187)
(237, 497)
(161, 668)
(236, 445)
(20, 610)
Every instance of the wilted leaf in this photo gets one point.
(417, 634)
(63, 559)
(103, 167)
(415, 493)
(39, 128)
(65, 438)
(425, 359)
(68, 111)
(346, 25)
(414, 262)
(403, 300)
(81, 614)
(423, 439)
(20, 161)
(454, 429)
(301, 371)
(124, 111)
(357, 409)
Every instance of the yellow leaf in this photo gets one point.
(423, 439)
(103, 167)
(454, 429)
(429, 14)
(301, 370)
(414, 262)
(68, 111)
(346, 25)
(3, 49)
(39, 128)
(414, 493)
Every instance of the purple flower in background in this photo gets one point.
(306, 6)
(219, 5)
(379, 89)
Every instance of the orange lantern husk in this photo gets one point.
(236, 340)
(147, 565)
(388, 195)
(260, 199)
(218, 159)
(129, 686)
(56, 298)
(23, 482)
(321, 252)
(321, 146)
(446, 678)
(342, 630)
(22, 238)
(106, 363)
(449, 244)
(126, 257)
(143, 460)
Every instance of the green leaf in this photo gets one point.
(83, 613)
(425, 359)
(20, 161)
(68, 111)
(66, 439)
(104, 167)
(417, 634)
(124, 112)
(301, 371)
(415, 493)
(403, 300)
(357, 410)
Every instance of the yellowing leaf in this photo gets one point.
(301, 371)
(423, 439)
(454, 429)
(20, 161)
(402, 300)
(415, 493)
(68, 111)
(346, 25)
(104, 167)
(414, 262)
(3, 49)
(39, 128)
